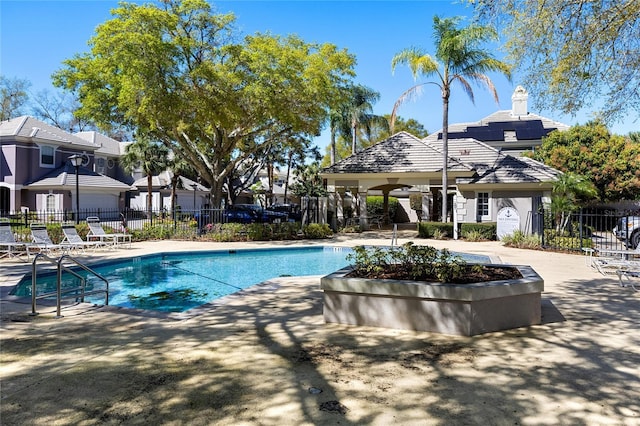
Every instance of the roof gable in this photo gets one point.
(26, 127)
(404, 152)
(65, 177)
(400, 153)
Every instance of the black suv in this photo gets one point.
(292, 211)
(242, 213)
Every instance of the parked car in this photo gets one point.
(255, 212)
(627, 230)
(292, 211)
(239, 216)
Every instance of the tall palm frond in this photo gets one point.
(458, 58)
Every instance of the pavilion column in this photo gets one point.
(385, 207)
(427, 203)
(339, 208)
(362, 202)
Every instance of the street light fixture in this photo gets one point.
(76, 161)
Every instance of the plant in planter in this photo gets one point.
(423, 288)
(422, 263)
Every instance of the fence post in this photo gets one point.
(175, 223)
(581, 222)
(544, 225)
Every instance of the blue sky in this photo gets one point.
(36, 36)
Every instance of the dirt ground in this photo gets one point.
(266, 357)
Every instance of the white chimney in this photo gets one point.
(519, 102)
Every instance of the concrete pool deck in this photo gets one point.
(266, 357)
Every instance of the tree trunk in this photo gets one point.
(149, 195)
(353, 138)
(333, 146)
(217, 187)
(174, 186)
(286, 182)
(445, 150)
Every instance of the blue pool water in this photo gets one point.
(176, 282)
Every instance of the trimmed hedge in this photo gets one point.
(487, 231)
(428, 229)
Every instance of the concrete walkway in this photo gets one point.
(266, 357)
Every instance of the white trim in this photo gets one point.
(53, 156)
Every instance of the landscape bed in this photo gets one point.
(459, 309)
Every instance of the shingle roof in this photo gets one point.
(31, 128)
(399, 153)
(65, 178)
(494, 166)
(108, 146)
(490, 165)
(163, 180)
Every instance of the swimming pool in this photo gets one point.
(177, 282)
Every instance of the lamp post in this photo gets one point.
(76, 160)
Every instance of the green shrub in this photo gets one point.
(375, 206)
(416, 261)
(226, 232)
(317, 230)
(520, 240)
(157, 231)
(55, 232)
(286, 230)
(428, 229)
(259, 232)
(473, 235)
(562, 240)
(479, 231)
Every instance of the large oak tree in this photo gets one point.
(177, 74)
(610, 162)
(574, 54)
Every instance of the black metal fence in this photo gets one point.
(183, 222)
(122, 219)
(587, 228)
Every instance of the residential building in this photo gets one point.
(36, 174)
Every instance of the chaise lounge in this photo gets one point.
(97, 233)
(8, 241)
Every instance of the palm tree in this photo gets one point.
(458, 58)
(358, 111)
(567, 192)
(151, 157)
(179, 167)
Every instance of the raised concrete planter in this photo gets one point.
(460, 309)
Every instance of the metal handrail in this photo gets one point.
(34, 280)
(59, 292)
(87, 269)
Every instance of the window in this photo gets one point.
(52, 203)
(100, 165)
(482, 205)
(47, 156)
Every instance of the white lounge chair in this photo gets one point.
(42, 241)
(75, 242)
(97, 233)
(608, 261)
(8, 241)
(632, 276)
